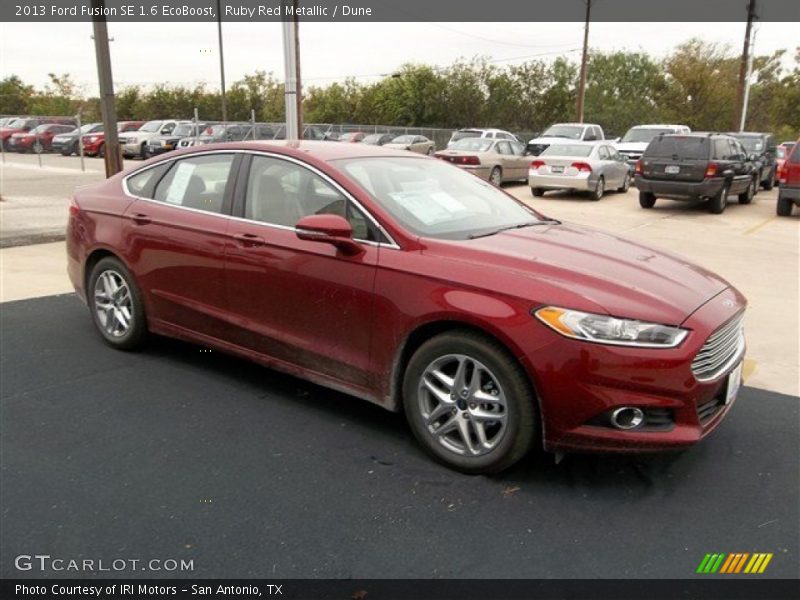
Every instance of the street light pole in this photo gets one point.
(221, 63)
(113, 155)
(743, 65)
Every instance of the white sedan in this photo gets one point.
(581, 166)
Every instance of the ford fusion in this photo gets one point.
(407, 282)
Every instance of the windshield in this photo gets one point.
(403, 139)
(472, 145)
(682, 147)
(19, 124)
(643, 135)
(435, 199)
(466, 133)
(572, 132)
(151, 126)
(567, 150)
(751, 144)
(183, 129)
(40, 129)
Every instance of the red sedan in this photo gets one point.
(407, 282)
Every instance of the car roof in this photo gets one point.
(321, 150)
(658, 126)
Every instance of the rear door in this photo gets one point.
(174, 238)
(737, 159)
(676, 158)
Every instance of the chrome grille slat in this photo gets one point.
(721, 348)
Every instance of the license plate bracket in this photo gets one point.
(733, 384)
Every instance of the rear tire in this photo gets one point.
(784, 207)
(490, 383)
(719, 201)
(647, 200)
(101, 152)
(116, 305)
(599, 189)
(538, 192)
(770, 183)
(626, 184)
(496, 177)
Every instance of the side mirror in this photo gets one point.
(617, 140)
(752, 156)
(329, 229)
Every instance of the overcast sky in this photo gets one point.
(187, 53)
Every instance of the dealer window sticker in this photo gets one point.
(429, 208)
(177, 188)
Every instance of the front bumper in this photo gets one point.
(482, 171)
(582, 181)
(155, 149)
(680, 190)
(580, 383)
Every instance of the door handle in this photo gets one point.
(248, 240)
(140, 218)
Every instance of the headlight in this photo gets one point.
(603, 329)
(92, 139)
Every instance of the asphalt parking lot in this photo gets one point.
(180, 453)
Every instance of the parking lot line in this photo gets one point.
(758, 226)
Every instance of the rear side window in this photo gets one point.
(144, 182)
(197, 182)
(679, 147)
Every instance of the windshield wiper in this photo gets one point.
(519, 226)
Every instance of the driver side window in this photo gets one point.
(280, 192)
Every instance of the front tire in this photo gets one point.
(469, 404)
(746, 197)
(116, 305)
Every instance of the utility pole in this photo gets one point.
(751, 15)
(298, 85)
(746, 99)
(113, 153)
(290, 69)
(584, 60)
(221, 63)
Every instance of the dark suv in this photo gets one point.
(696, 166)
(763, 150)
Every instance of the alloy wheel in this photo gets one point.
(462, 405)
(113, 303)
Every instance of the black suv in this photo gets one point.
(695, 166)
(763, 150)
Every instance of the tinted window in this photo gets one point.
(142, 184)
(198, 182)
(280, 192)
(689, 147)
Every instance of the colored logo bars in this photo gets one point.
(741, 562)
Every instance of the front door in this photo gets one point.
(303, 303)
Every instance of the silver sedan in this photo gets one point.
(586, 167)
(494, 160)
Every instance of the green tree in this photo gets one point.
(15, 96)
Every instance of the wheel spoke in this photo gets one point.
(480, 414)
(447, 426)
(440, 395)
(438, 412)
(480, 433)
(445, 380)
(463, 430)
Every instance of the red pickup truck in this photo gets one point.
(789, 181)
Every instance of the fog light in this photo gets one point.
(627, 417)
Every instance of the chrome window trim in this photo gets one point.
(390, 244)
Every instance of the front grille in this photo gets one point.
(722, 348)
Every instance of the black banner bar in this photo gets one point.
(401, 10)
(730, 588)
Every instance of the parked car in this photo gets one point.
(481, 133)
(94, 143)
(495, 160)
(67, 143)
(378, 139)
(574, 132)
(696, 166)
(37, 139)
(484, 323)
(414, 143)
(352, 136)
(582, 166)
(635, 141)
(134, 143)
(789, 193)
(762, 149)
(169, 141)
(27, 124)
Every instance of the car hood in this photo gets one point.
(624, 277)
(393, 145)
(553, 140)
(631, 146)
